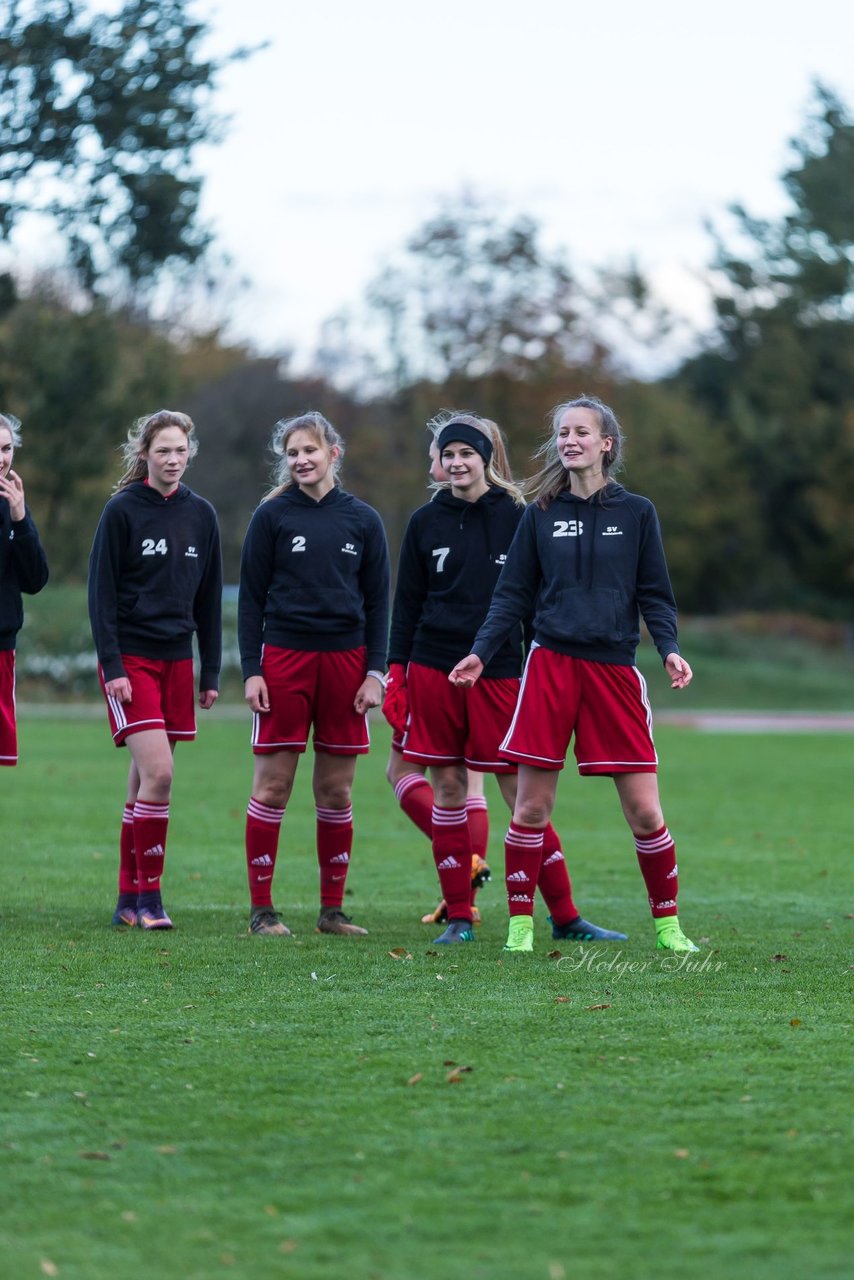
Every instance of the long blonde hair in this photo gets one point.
(497, 470)
(141, 437)
(317, 426)
(552, 478)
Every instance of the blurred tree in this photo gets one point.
(77, 380)
(474, 295)
(99, 114)
(779, 376)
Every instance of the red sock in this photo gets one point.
(334, 844)
(523, 855)
(657, 861)
(150, 823)
(263, 824)
(554, 883)
(478, 820)
(415, 797)
(452, 855)
(128, 882)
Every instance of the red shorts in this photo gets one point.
(8, 731)
(309, 688)
(605, 706)
(161, 698)
(448, 725)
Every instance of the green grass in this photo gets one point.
(205, 1103)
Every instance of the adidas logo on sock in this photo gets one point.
(661, 906)
(157, 851)
(518, 877)
(264, 861)
(557, 856)
(519, 897)
(449, 864)
(671, 875)
(340, 857)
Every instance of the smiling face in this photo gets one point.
(167, 457)
(580, 443)
(311, 463)
(7, 451)
(465, 469)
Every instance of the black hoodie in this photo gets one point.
(452, 555)
(588, 568)
(314, 576)
(155, 578)
(23, 567)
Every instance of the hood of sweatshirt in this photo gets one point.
(145, 492)
(336, 497)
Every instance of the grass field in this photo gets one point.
(205, 1103)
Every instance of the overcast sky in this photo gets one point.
(620, 127)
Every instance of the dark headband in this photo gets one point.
(464, 431)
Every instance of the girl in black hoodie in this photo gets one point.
(155, 580)
(23, 567)
(587, 561)
(312, 627)
(452, 555)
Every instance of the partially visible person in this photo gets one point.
(312, 629)
(409, 780)
(155, 581)
(23, 568)
(452, 555)
(588, 560)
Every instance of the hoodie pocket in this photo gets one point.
(584, 615)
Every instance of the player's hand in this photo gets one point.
(370, 695)
(678, 670)
(396, 702)
(12, 489)
(465, 673)
(120, 689)
(256, 694)
(207, 697)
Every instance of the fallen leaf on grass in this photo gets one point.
(557, 1271)
(166, 1151)
(591, 1007)
(563, 1000)
(455, 1076)
(682, 1153)
(287, 1246)
(94, 1155)
(416, 1078)
(555, 955)
(795, 1022)
(778, 958)
(48, 1268)
(400, 953)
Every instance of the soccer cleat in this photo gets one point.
(480, 872)
(153, 917)
(671, 937)
(265, 920)
(333, 920)
(520, 935)
(124, 915)
(438, 916)
(580, 930)
(457, 931)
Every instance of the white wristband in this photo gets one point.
(378, 675)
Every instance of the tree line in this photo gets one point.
(747, 448)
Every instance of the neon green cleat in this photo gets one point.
(520, 935)
(671, 937)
